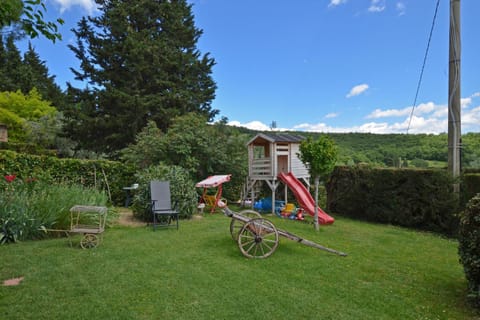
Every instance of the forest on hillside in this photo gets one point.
(400, 150)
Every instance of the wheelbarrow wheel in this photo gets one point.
(236, 225)
(258, 238)
(89, 240)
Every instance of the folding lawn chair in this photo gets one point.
(162, 211)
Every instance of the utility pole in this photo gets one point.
(454, 121)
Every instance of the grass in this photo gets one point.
(198, 272)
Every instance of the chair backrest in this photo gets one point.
(160, 195)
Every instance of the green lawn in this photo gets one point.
(198, 272)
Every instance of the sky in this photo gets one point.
(320, 65)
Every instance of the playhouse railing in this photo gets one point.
(261, 167)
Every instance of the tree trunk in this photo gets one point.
(315, 215)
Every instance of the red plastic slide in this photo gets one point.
(304, 197)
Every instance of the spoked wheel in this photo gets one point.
(236, 225)
(89, 240)
(258, 238)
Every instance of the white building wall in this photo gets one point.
(297, 167)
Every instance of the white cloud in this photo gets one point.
(355, 91)
(253, 125)
(471, 120)
(331, 115)
(379, 113)
(401, 8)
(334, 3)
(423, 108)
(88, 5)
(377, 6)
(470, 117)
(428, 118)
(466, 102)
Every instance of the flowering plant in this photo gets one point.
(10, 177)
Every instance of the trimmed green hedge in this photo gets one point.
(420, 199)
(109, 176)
(469, 247)
(470, 186)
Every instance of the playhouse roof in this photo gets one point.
(277, 137)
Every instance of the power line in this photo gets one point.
(423, 65)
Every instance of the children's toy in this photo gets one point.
(290, 211)
(213, 201)
(304, 198)
(265, 205)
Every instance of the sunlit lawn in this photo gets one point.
(198, 272)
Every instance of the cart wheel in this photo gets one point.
(236, 225)
(258, 238)
(89, 240)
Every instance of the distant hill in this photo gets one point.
(394, 150)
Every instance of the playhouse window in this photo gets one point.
(261, 151)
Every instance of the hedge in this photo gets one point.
(470, 186)
(109, 176)
(414, 198)
(469, 247)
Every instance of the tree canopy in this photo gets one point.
(141, 63)
(320, 157)
(19, 112)
(24, 74)
(202, 149)
(28, 17)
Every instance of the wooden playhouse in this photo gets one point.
(270, 154)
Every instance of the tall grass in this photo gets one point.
(28, 209)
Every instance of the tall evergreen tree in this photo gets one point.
(141, 63)
(3, 63)
(27, 73)
(11, 67)
(36, 75)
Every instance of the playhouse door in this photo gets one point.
(282, 164)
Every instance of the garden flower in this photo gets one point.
(10, 177)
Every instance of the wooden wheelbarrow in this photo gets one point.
(258, 237)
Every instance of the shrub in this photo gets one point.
(182, 190)
(469, 247)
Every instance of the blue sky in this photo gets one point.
(320, 65)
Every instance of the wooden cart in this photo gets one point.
(89, 221)
(258, 237)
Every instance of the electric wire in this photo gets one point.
(423, 65)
